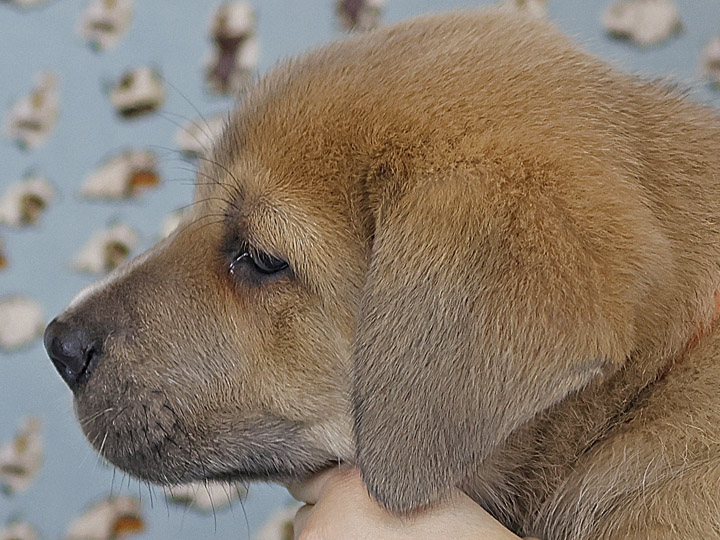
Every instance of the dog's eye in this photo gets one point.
(267, 264)
(259, 261)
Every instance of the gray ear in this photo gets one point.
(483, 305)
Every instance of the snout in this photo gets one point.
(74, 350)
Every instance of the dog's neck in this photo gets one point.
(633, 403)
(512, 493)
(703, 328)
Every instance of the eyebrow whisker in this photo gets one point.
(218, 219)
(195, 108)
(233, 191)
(205, 199)
(221, 166)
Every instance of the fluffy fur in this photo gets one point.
(503, 263)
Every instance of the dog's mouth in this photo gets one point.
(148, 437)
(298, 473)
(262, 456)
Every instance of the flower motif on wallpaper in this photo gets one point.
(105, 250)
(104, 23)
(233, 60)
(111, 518)
(359, 15)
(22, 457)
(22, 320)
(138, 92)
(34, 116)
(24, 202)
(207, 496)
(196, 137)
(124, 175)
(643, 22)
(711, 61)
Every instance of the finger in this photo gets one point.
(310, 490)
(301, 517)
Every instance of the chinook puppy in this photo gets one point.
(455, 252)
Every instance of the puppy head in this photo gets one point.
(366, 278)
(214, 355)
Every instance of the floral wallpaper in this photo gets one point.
(105, 108)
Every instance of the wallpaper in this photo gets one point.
(106, 106)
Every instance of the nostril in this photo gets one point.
(72, 350)
(90, 353)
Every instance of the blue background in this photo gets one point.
(173, 36)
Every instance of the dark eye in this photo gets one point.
(267, 264)
(259, 261)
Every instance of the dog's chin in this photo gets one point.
(145, 436)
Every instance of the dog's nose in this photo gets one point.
(73, 350)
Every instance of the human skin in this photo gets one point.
(338, 507)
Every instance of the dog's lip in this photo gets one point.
(299, 480)
(279, 476)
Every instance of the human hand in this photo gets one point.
(338, 507)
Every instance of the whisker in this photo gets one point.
(167, 503)
(221, 166)
(150, 493)
(242, 505)
(112, 483)
(102, 444)
(226, 487)
(171, 154)
(205, 130)
(232, 190)
(206, 199)
(187, 181)
(194, 222)
(81, 464)
(212, 504)
(187, 100)
(126, 407)
(166, 117)
(204, 225)
(95, 416)
(186, 509)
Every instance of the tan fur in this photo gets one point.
(500, 252)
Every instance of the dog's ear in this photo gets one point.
(487, 300)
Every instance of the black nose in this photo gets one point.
(74, 351)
